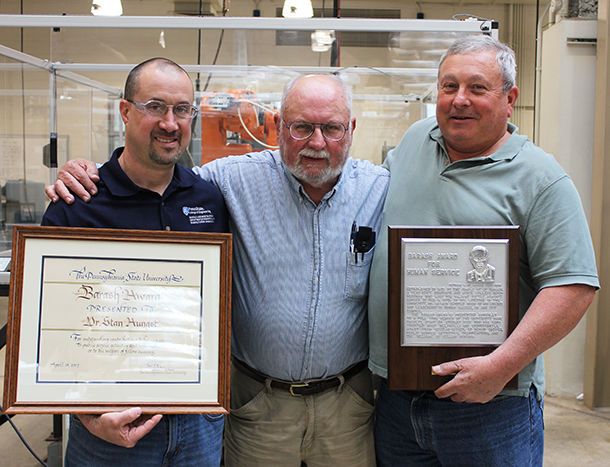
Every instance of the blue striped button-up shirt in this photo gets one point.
(299, 297)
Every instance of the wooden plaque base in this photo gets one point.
(409, 367)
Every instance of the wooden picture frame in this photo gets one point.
(105, 319)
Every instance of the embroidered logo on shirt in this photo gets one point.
(198, 215)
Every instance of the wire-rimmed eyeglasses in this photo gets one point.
(332, 131)
(159, 108)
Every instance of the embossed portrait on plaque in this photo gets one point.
(483, 271)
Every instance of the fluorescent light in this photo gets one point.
(297, 9)
(106, 8)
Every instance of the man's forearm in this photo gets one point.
(552, 315)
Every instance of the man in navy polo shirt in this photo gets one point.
(142, 187)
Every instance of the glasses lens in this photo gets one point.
(333, 131)
(184, 111)
(301, 130)
(156, 108)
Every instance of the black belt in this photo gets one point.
(301, 388)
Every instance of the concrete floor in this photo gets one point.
(574, 435)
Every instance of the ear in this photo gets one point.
(278, 122)
(124, 109)
(353, 122)
(511, 96)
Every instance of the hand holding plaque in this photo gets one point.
(473, 379)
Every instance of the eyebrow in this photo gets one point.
(158, 99)
(475, 77)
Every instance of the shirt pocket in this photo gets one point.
(357, 274)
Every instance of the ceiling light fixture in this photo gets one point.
(322, 40)
(106, 8)
(297, 9)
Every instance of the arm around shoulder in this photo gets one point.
(78, 175)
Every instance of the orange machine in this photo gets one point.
(231, 121)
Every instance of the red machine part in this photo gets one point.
(231, 121)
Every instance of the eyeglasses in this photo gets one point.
(332, 131)
(159, 108)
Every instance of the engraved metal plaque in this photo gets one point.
(453, 293)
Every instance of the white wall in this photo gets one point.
(566, 131)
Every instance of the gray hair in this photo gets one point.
(347, 90)
(483, 43)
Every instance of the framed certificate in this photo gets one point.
(104, 319)
(453, 293)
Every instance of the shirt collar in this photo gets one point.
(119, 184)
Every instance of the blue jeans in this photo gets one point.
(414, 428)
(177, 440)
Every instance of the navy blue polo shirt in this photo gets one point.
(188, 204)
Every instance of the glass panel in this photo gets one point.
(24, 131)
(393, 80)
(86, 122)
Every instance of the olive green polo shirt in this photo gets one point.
(518, 185)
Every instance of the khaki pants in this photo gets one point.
(269, 427)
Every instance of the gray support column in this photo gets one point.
(597, 352)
